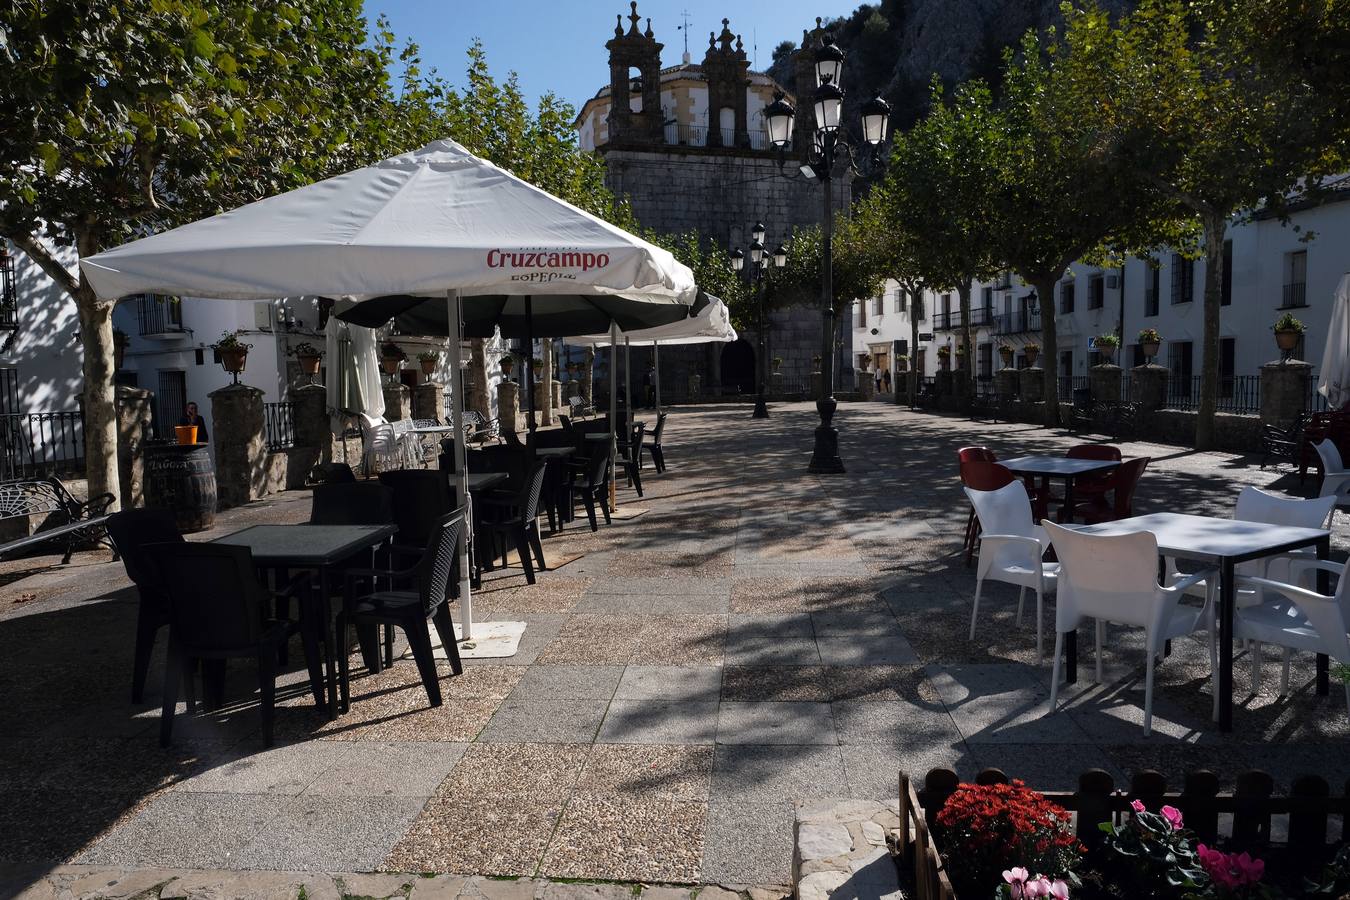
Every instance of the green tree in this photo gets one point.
(1214, 125)
(937, 198)
(123, 118)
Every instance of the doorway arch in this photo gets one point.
(738, 367)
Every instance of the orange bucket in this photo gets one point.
(187, 434)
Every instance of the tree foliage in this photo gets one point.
(857, 268)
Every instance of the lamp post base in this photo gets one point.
(761, 409)
(825, 455)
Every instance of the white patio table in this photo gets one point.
(1221, 543)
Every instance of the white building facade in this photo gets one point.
(1272, 268)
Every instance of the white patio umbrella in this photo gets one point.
(710, 322)
(1334, 380)
(435, 222)
(353, 372)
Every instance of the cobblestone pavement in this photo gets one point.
(755, 637)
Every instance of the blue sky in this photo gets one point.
(559, 45)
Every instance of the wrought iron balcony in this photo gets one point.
(160, 317)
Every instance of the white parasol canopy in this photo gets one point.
(435, 222)
(1334, 380)
(711, 324)
(421, 223)
(353, 372)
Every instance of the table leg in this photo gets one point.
(1066, 511)
(329, 642)
(1323, 587)
(1227, 601)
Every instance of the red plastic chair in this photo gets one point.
(976, 454)
(1092, 487)
(1122, 484)
(981, 475)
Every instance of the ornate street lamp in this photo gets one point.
(830, 143)
(759, 265)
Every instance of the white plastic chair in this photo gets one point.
(1335, 478)
(1011, 549)
(1300, 619)
(1256, 505)
(1112, 578)
(378, 441)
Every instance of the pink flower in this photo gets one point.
(1172, 815)
(1230, 871)
(1137, 805)
(1016, 875)
(1038, 887)
(1059, 889)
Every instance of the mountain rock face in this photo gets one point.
(895, 47)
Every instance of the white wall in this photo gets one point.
(46, 347)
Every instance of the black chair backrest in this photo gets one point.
(133, 530)
(566, 422)
(215, 601)
(334, 473)
(532, 490)
(660, 427)
(635, 445)
(598, 469)
(436, 567)
(421, 499)
(360, 503)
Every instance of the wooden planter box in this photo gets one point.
(1247, 813)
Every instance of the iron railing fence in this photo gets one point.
(1237, 394)
(157, 314)
(279, 425)
(1017, 322)
(1070, 383)
(42, 444)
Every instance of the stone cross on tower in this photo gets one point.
(641, 51)
(727, 70)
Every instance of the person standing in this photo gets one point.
(192, 417)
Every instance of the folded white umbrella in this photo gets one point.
(1333, 382)
(435, 222)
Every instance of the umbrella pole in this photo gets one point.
(656, 372)
(628, 384)
(529, 366)
(613, 411)
(452, 309)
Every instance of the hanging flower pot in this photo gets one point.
(1032, 353)
(507, 363)
(1149, 342)
(233, 353)
(428, 360)
(1005, 353)
(391, 358)
(1288, 330)
(308, 356)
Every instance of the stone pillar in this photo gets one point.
(1284, 390)
(312, 428)
(1006, 382)
(588, 376)
(241, 450)
(397, 401)
(776, 384)
(1032, 384)
(508, 405)
(427, 402)
(544, 381)
(942, 382)
(557, 395)
(1104, 382)
(866, 385)
(134, 416)
(476, 393)
(1148, 386)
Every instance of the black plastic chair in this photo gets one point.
(590, 480)
(217, 611)
(658, 455)
(516, 517)
(334, 473)
(354, 503)
(630, 455)
(131, 531)
(421, 499)
(433, 578)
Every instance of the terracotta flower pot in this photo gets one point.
(1032, 356)
(1108, 354)
(390, 364)
(1287, 340)
(428, 367)
(1150, 348)
(309, 365)
(232, 359)
(1007, 357)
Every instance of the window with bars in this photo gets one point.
(1295, 279)
(1179, 363)
(1066, 297)
(985, 354)
(1183, 279)
(899, 300)
(876, 305)
(1096, 292)
(1227, 365)
(1151, 288)
(861, 318)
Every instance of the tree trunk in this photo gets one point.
(1045, 289)
(588, 376)
(546, 376)
(100, 397)
(1216, 226)
(915, 296)
(478, 398)
(968, 375)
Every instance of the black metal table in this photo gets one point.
(1221, 543)
(319, 547)
(1070, 469)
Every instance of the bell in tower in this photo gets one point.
(635, 115)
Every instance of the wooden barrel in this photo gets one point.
(181, 479)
